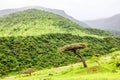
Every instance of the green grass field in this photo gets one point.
(99, 68)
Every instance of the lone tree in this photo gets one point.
(74, 47)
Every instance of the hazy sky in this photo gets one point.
(80, 9)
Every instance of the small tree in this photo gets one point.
(74, 47)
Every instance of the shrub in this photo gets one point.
(29, 71)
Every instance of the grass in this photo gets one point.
(101, 68)
(36, 22)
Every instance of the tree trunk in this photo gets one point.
(81, 58)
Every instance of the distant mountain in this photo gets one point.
(55, 11)
(111, 24)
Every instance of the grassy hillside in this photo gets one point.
(35, 22)
(31, 39)
(105, 67)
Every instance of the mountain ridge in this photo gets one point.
(111, 24)
(55, 11)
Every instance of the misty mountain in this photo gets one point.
(55, 11)
(111, 24)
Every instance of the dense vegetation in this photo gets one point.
(35, 22)
(42, 51)
(31, 39)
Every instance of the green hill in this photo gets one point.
(31, 39)
(17, 53)
(36, 22)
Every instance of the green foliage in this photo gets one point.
(104, 71)
(36, 22)
(97, 32)
(42, 51)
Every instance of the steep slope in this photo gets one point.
(55, 11)
(110, 24)
(36, 22)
